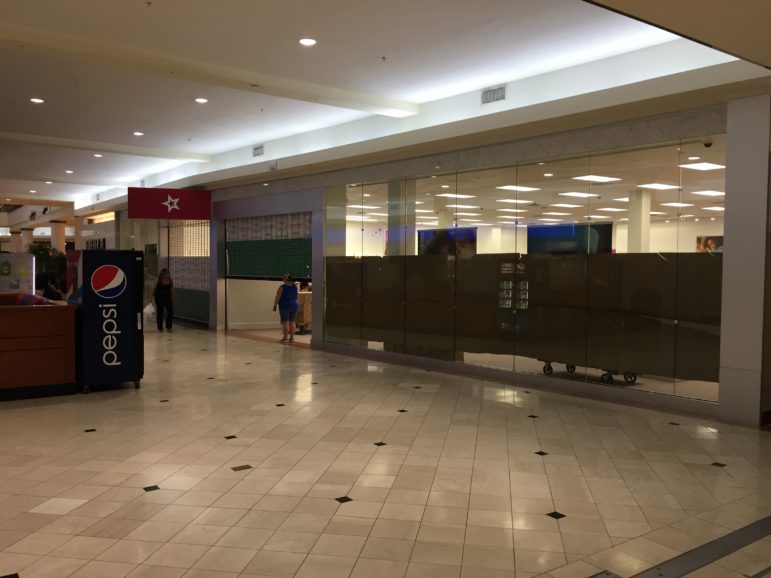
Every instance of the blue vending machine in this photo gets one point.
(110, 340)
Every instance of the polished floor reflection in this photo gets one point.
(245, 458)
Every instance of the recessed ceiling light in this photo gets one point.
(7, 199)
(596, 179)
(264, 184)
(694, 158)
(577, 194)
(362, 207)
(657, 213)
(556, 214)
(468, 214)
(709, 193)
(712, 218)
(423, 211)
(33, 191)
(37, 100)
(97, 155)
(377, 214)
(515, 201)
(658, 186)
(201, 100)
(622, 199)
(454, 196)
(138, 133)
(714, 208)
(463, 206)
(611, 209)
(676, 204)
(513, 210)
(366, 195)
(551, 220)
(308, 41)
(702, 166)
(69, 172)
(597, 217)
(697, 220)
(517, 188)
(541, 164)
(548, 174)
(562, 206)
(445, 186)
(49, 182)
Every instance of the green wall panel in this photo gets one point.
(192, 304)
(270, 258)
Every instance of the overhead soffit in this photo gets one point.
(738, 28)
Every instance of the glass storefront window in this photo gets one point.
(604, 269)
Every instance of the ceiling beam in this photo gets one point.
(120, 149)
(197, 71)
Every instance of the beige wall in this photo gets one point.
(672, 237)
(250, 304)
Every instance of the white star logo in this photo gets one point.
(171, 204)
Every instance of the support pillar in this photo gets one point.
(745, 265)
(16, 242)
(80, 243)
(639, 230)
(58, 240)
(26, 239)
(401, 218)
(335, 202)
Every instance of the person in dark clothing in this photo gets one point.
(164, 294)
(286, 301)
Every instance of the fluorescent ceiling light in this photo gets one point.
(514, 201)
(308, 41)
(548, 174)
(577, 194)
(658, 186)
(511, 216)
(97, 155)
(49, 182)
(471, 220)
(552, 220)
(201, 100)
(366, 195)
(69, 172)
(694, 158)
(423, 211)
(513, 210)
(597, 217)
(555, 214)
(456, 196)
(688, 216)
(611, 209)
(622, 199)
(484, 224)
(701, 166)
(138, 133)
(469, 214)
(706, 208)
(517, 188)
(676, 204)
(359, 218)
(561, 206)
(37, 100)
(709, 193)
(377, 214)
(444, 186)
(463, 206)
(419, 203)
(362, 207)
(596, 179)
(657, 213)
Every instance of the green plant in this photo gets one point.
(50, 266)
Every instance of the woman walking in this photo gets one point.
(286, 301)
(164, 294)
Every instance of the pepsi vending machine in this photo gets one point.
(110, 338)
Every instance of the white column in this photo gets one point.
(58, 241)
(639, 230)
(16, 242)
(744, 260)
(26, 239)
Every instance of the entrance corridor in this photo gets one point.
(246, 458)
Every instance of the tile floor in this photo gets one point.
(245, 458)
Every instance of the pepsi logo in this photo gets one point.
(108, 281)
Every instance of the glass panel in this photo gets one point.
(385, 238)
(551, 274)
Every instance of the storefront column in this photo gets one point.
(80, 244)
(401, 218)
(58, 240)
(638, 240)
(26, 239)
(744, 261)
(16, 242)
(336, 199)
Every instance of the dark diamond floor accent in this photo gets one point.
(343, 499)
(314, 382)
(16, 575)
(541, 453)
(718, 465)
(402, 411)
(527, 391)
(248, 363)
(532, 416)
(150, 488)
(380, 443)
(230, 437)
(163, 401)
(209, 378)
(241, 468)
(89, 430)
(280, 404)
(418, 387)
(673, 423)
(556, 515)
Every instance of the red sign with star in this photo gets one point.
(193, 204)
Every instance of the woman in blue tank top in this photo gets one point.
(286, 301)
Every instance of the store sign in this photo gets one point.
(193, 204)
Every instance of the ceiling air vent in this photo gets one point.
(493, 94)
(258, 151)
